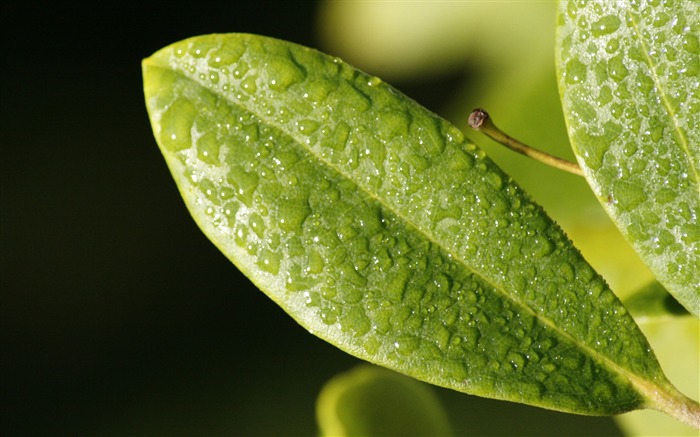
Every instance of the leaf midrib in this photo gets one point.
(682, 140)
(585, 348)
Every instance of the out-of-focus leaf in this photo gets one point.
(370, 401)
(629, 74)
(653, 301)
(404, 40)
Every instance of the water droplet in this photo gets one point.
(442, 337)
(605, 26)
(269, 261)
(460, 161)
(307, 127)
(549, 367)
(516, 360)
(406, 345)
(297, 280)
(575, 71)
(533, 357)
(241, 69)
(396, 286)
(355, 321)
(393, 122)
(351, 295)
(593, 148)
(616, 68)
(312, 299)
(209, 190)
(329, 315)
(470, 337)
(314, 263)
(541, 247)
(291, 213)
(227, 54)
(283, 73)
(200, 48)
(338, 138)
(249, 84)
(244, 183)
(328, 292)
(605, 96)
(416, 161)
(231, 208)
(691, 43)
(612, 46)
(660, 19)
(374, 81)
(208, 148)
(494, 179)
(176, 124)
(257, 224)
(241, 236)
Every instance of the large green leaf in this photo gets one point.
(629, 75)
(381, 229)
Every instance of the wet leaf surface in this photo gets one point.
(379, 228)
(629, 78)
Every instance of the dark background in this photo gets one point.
(117, 316)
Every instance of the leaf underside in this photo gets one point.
(381, 229)
(629, 76)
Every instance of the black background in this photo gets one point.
(118, 317)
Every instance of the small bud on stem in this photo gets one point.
(481, 121)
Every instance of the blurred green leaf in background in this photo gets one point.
(371, 401)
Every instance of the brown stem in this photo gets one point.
(481, 121)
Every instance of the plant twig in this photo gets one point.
(481, 121)
(667, 399)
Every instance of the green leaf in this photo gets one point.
(370, 401)
(381, 229)
(628, 75)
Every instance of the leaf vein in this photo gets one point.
(585, 348)
(666, 103)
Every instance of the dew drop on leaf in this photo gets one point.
(575, 71)
(379, 227)
(605, 25)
